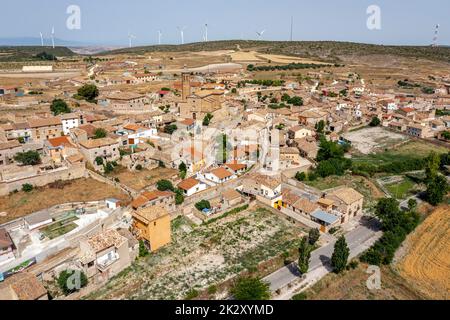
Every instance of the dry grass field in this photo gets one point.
(204, 256)
(142, 179)
(20, 204)
(426, 264)
(351, 285)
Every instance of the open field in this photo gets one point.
(142, 179)
(426, 264)
(369, 140)
(413, 149)
(351, 285)
(361, 184)
(402, 189)
(199, 257)
(21, 203)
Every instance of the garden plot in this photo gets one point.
(369, 140)
(199, 257)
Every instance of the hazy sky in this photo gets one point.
(110, 21)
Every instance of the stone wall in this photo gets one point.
(76, 171)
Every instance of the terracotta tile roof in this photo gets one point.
(188, 183)
(5, 239)
(188, 122)
(231, 194)
(105, 240)
(25, 286)
(97, 143)
(149, 196)
(348, 195)
(44, 122)
(150, 214)
(289, 197)
(61, 141)
(236, 166)
(9, 145)
(221, 173)
(306, 206)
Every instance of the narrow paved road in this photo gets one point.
(322, 256)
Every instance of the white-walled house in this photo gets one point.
(191, 186)
(69, 121)
(220, 175)
(137, 134)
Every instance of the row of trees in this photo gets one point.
(396, 224)
(290, 66)
(267, 83)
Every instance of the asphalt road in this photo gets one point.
(322, 256)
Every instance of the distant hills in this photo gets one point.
(28, 53)
(325, 50)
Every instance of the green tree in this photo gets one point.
(27, 187)
(71, 281)
(164, 185)
(304, 255)
(313, 236)
(179, 197)
(88, 92)
(300, 176)
(108, 167)
(436, 190)
(170, 129)
(207, 119)
(340, 255)
(59, 106)
(201, 205)
(375, 122)
(320, 126)
(446, 135)
(99, 161)
(28, 158)
(143, 251)
(412, 204)
(250, 288)
(100, 133)
(182, 168)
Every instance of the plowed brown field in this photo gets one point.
(426, 264)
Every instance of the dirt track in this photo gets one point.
(426, 264)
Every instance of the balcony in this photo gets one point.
(103, 263)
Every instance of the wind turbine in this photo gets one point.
(181, 29)
(42, 39)
(260, 34)
(53, 37)
(159, 36)
(130, 38)
(205, 36)
(436, 36)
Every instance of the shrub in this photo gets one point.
(71, 281)
(300, 296)
(250, 289)
(27, 187)
(164, 185)
(29, 158)
(212, 289)
(201, 205)
(191, 294)
(143, 251)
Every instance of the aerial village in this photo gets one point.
(172, 148)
